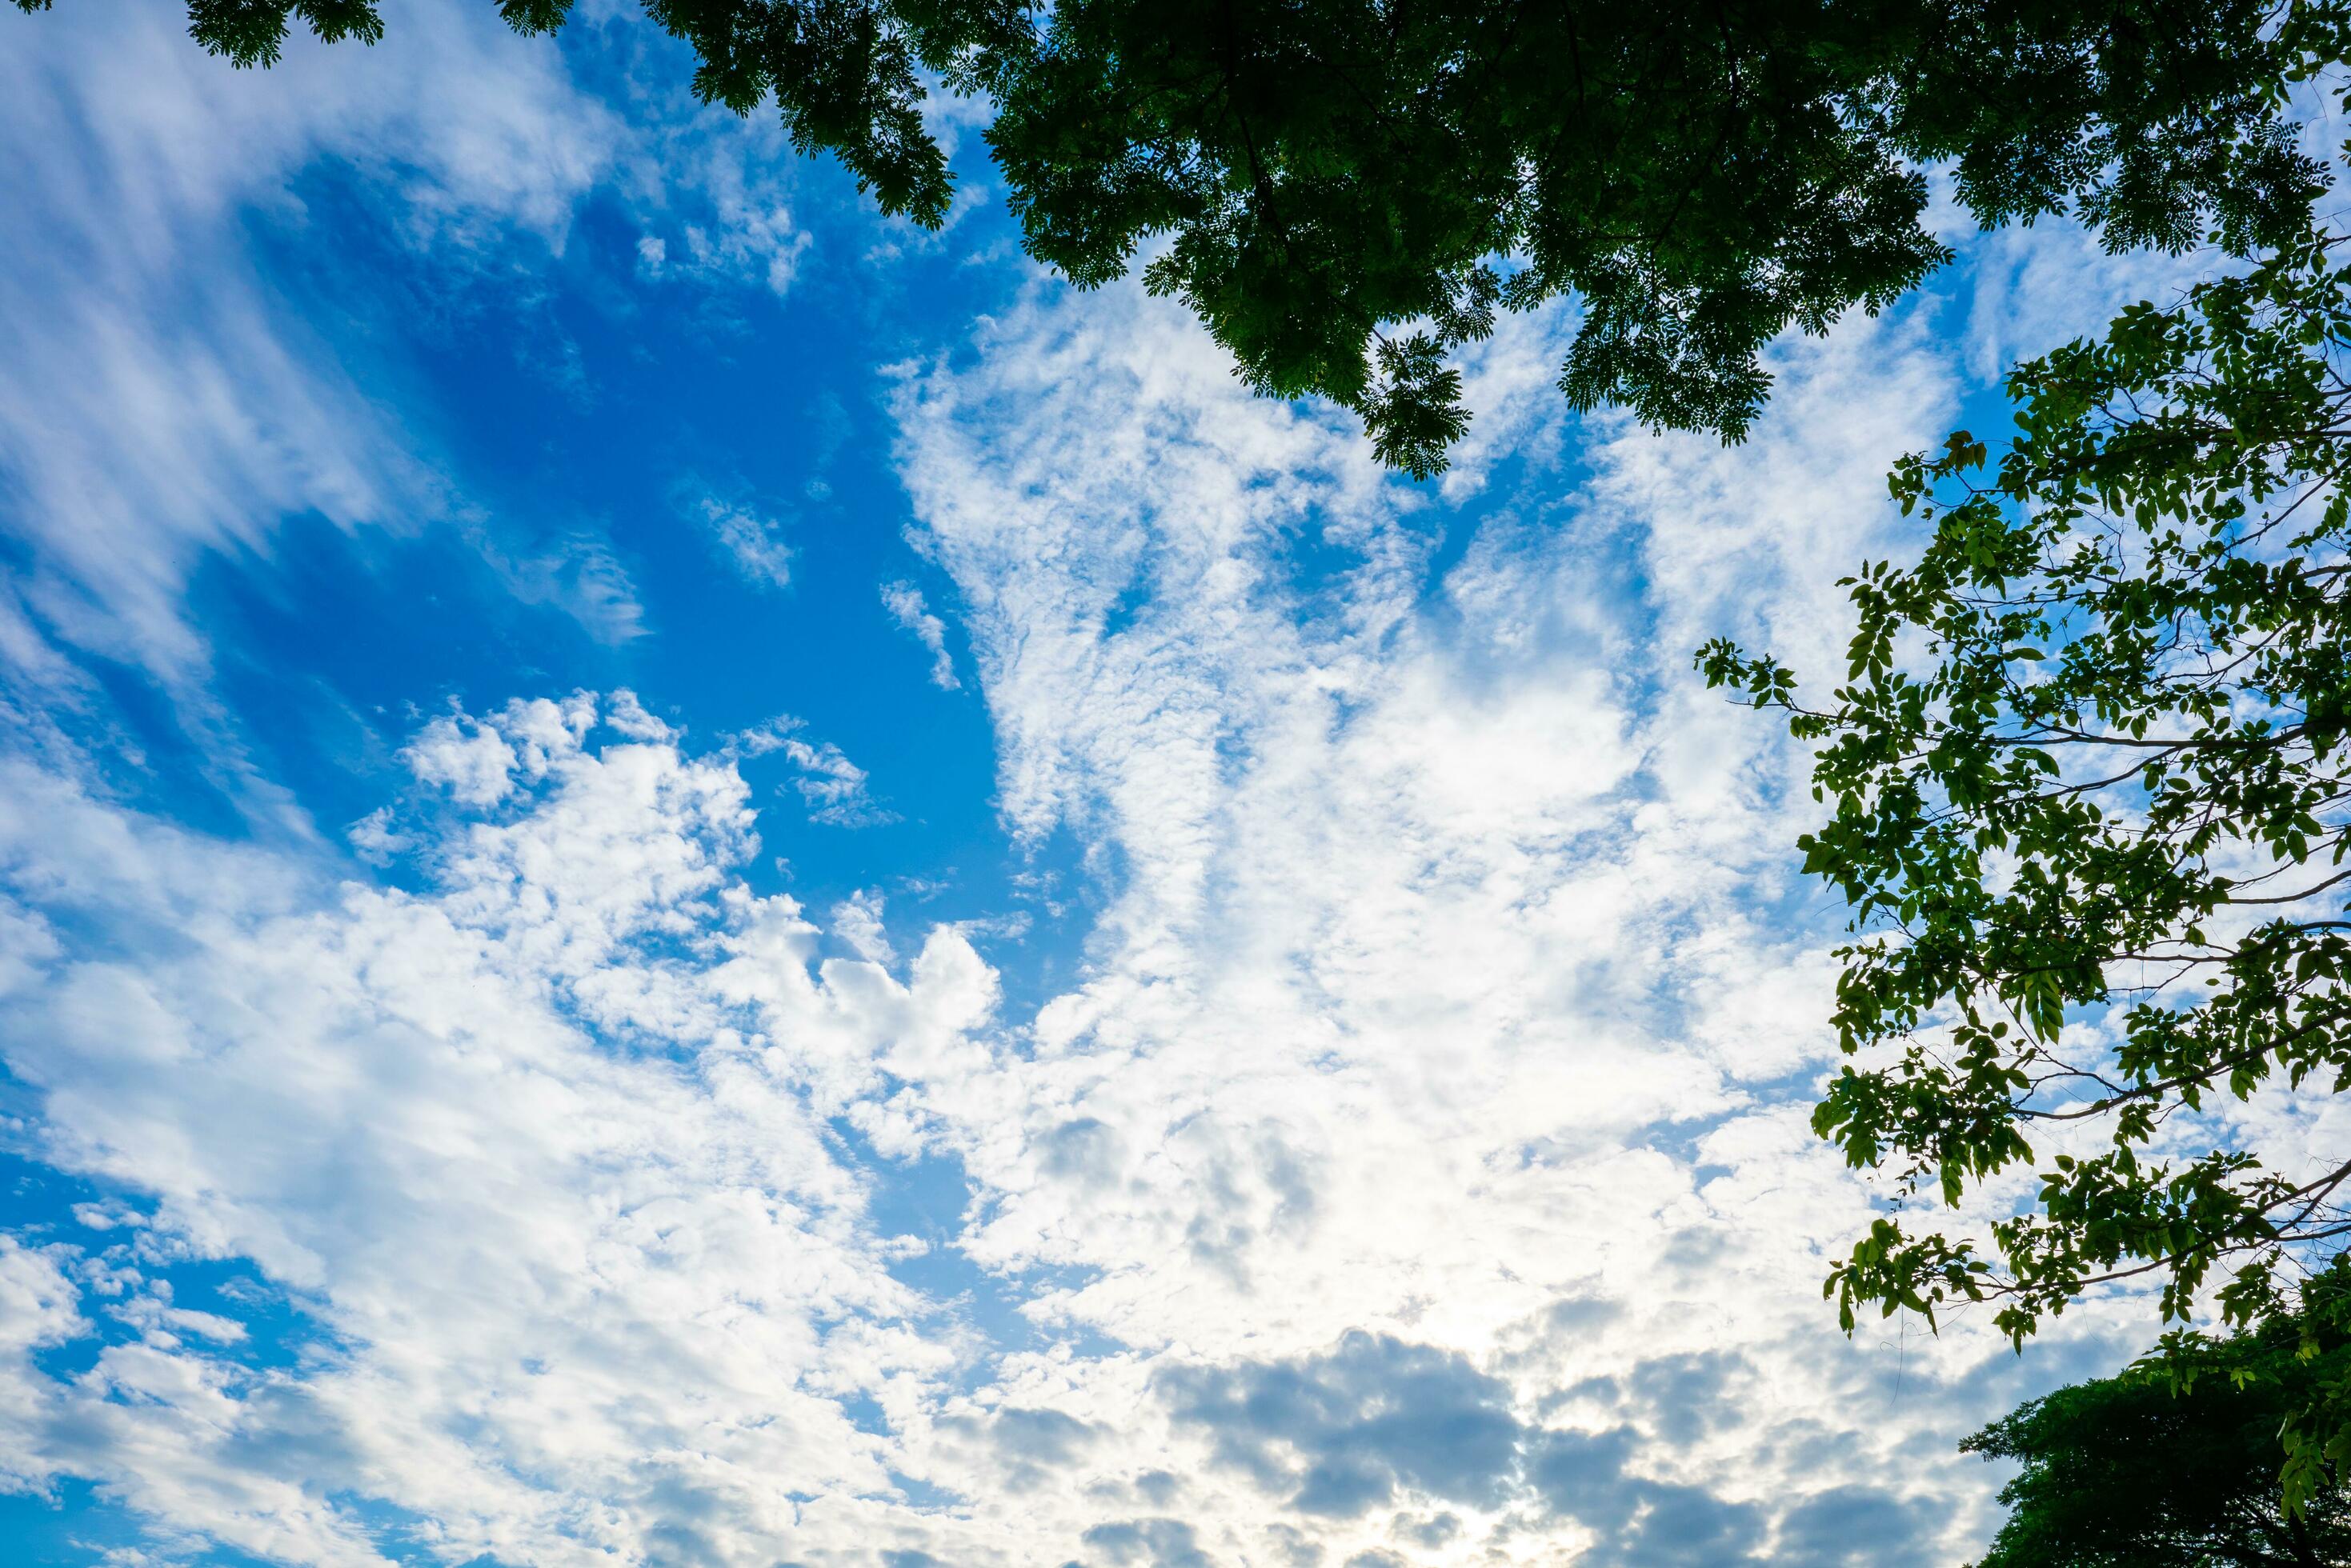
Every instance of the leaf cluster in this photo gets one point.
(1347, 191)
(2089, 804)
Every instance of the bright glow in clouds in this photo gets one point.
(518, 1097)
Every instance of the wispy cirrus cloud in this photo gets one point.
(835, 790)
(159, 404)
(752, 542)
(905, 602)
(163, 403)
(1450, 1020)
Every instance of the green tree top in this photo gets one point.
(1346, 191)
(2162, 1471)
(2090, 788)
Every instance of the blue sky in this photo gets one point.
(689, 878)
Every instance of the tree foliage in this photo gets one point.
(2177, 1471)
(1347, 191)
(2090, 781)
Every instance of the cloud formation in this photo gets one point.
(1403, 1164)
(158, 402)
(538, 1157)
(905, 602)
(1381, 1191)
(753, 542)
(1441, 1065)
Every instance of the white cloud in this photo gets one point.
(37, 1308)
(373, 839)
(471, 759)
(719, 185)
(540, 1153)
(156, 404)
(905, 602)
(857, 920)
(764, 242)
(162, 406)
(753, 542)
(1449, 990)
(834, 789)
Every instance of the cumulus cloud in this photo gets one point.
(538, 1154)
(472, 760)
(857, 920)
(1158, 1542)
(1341, 1433)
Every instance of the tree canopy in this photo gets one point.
(2090, 787)
(2157, 1471)
(1347, 191)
